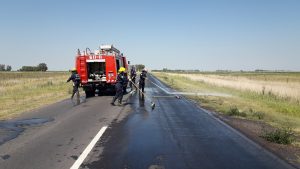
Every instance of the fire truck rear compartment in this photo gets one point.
(96, 71)
(96, 78)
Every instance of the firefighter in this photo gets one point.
(121, 80)
(76, 81)
(143, 76)
(125, 84)
(132, 77)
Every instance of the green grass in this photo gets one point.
(25, 91)
(274, 110)
(284, 135)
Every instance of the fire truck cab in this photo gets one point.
(98, 70)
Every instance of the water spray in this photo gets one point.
(145, 96)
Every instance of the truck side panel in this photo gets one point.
(111, 72)
(82, 68)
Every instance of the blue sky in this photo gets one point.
(174, 34)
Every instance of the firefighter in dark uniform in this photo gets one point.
(143, 76)
(132, 77)
(76, 81)
(125, 84)
(121, 80)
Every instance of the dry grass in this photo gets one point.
(285, 89)
(24, 91)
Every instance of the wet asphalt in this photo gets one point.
(54, 136)
(176, 134)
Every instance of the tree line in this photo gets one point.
(40, 67)
(4, 67)
(139, 67)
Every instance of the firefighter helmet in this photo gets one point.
(122, 69)
(73, 70)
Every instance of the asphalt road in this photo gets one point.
(53, 137)
(176, 134)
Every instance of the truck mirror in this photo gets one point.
(128, 62)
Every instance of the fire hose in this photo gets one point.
(145, 96)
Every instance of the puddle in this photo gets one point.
(11, 129)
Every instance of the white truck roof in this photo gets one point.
(109, 48)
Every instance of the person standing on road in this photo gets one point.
(143, 76)
(132, 77)
(121, 80)
(76, 81)
(125, 84)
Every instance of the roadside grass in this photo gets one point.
(277, 87)
(273, 109)
(25, 91)
(283, 135)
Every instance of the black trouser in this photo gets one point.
(75, 89)
(124, 89)
(132, 81)
(119, 93)
(142, 86)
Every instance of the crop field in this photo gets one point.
(24, 91)
(270, 97)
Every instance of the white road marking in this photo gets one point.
(87, 150)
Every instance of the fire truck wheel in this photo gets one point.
(90, 93)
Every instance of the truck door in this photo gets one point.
(111, 71)
(81, 68)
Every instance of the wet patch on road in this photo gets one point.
(102, 119)
(156, 167)
(127, 140)
(71, 140)
(12, 129)
(74, 157)
(5, 157)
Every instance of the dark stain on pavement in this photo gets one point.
(12, 129)
(71, 140)
(5, 157)
(102, 120)
(74, 157)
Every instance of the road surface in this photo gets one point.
(176, 134)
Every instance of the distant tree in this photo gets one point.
(139, 67)
(42, 67)
(2, 67)
(29, 68)
(8, 68)
(39, 67)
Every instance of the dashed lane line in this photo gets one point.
(88, 149)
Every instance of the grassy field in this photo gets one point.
(269, 97)
(24, 91)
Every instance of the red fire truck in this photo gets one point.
(98, 70)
